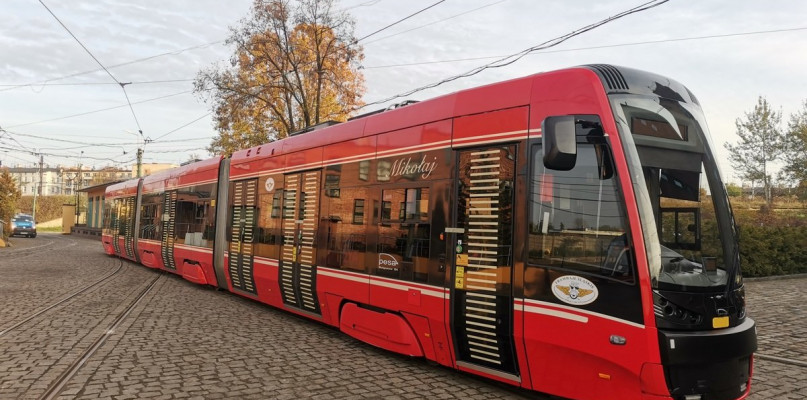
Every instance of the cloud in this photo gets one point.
(726, 74)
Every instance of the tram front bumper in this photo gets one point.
(709, 365)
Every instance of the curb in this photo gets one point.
(775, 278)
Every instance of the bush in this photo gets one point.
(773, 250)
(733, 190)
(9, 197)
(47, 207)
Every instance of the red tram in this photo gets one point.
(566, 232)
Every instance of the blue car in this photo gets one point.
(23, 225)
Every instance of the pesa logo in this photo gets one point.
(387, 262)
(574, 290)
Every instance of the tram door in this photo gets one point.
(298, 270)
(169, 214)
(116, 224)
(482, 297)
(129, 228)
(243, 223)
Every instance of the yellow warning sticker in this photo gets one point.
(720, 322)
(459, 278)
(462, 260)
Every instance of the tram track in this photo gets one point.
(781, 360)
(62, 300)
(55, 388)
(15, 254)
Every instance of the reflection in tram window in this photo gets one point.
(268, 238)
(342, 227)
(358, 211)
(577, 220)
(150, 217)
(404, 233)
(195, 225)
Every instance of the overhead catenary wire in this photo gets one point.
(510, 59)
(46, 82)
(84, 145)
(139, 60)
(399, 21)
(106, 83)
(8, 134)
(81, 155)
(605, 46)
(178, 150)
(99, 110)
(129, 102)
(109, 144)
(122, 84)
(50, 139)
(5, 153)
(57, 155)
(435, 22)
(365, 4)
(183, 126)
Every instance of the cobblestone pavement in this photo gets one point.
(187, 341)
(36, 353)
(39, 271)
(777, 306)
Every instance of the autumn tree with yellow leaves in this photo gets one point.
(9, 196)
(296, 64)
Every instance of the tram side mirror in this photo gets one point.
(560, 144)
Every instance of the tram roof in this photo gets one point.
(500, 95)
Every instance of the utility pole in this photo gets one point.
(41, 162)
(75, 188)
(139, 161)
(38, 190)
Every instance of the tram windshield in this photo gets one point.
(687, 222)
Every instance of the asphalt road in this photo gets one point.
(181, 340)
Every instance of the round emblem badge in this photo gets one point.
(574, 290)
(269, 185)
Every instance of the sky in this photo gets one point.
(54, 98)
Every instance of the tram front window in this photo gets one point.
(688, 227)
(691, 251)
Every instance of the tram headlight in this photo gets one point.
(674, 313)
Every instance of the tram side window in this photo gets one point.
(404, 234)
(577, 218)
(150, 217)
(109, 216)
(195, 217)
(343, 232)
(269, 223)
